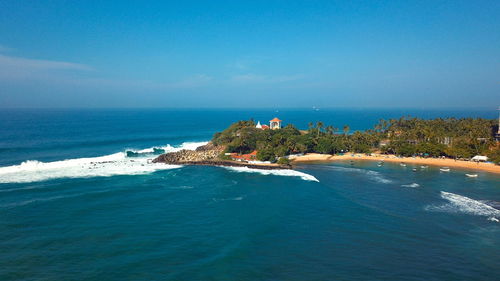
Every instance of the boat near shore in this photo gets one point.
(424, 162)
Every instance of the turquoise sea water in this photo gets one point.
(84, 210)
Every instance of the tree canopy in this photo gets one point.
(406, 136)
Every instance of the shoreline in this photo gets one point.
(228, 163)
(478, 166)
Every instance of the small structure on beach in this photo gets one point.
(479, 158)
(275, 123)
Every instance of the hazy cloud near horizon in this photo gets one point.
(264, 54)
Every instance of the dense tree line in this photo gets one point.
(451, 137)
(456, 138)
(243, 137)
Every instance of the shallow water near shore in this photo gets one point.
(122, 218)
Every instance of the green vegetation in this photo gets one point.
(455, 138)
(283, 161)
(494, 155)
(222, 156)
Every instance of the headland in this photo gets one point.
(462, 143)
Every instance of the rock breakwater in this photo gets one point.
(202, 153)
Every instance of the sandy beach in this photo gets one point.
(316, 157)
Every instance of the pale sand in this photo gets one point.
(314, 157)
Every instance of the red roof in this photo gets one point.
(265, 127)
(275, 120)
(247, 157)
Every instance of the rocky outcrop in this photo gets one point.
(210, 146)
(202, 153)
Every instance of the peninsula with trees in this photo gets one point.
(441, 141)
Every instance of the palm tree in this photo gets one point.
(310, 125)
(329, 129)
(382, 126)
(319, 126)
(346, 129)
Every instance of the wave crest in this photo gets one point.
(461, 204)
(413, 185)
(280, 172)
(163, 149)
(102, 166)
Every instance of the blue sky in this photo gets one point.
(250, 53)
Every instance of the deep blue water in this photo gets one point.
(72, 216)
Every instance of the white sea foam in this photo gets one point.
(103, 166)
(376, 176)
(461, 204)
(279, 172)
(115, 164)
(188, 146)
(145, 150)
(414, 185)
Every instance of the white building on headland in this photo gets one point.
(262, 127)
(275, 124)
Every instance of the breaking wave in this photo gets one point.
(280, 172)
(414, 185)
(461, 204)
(103, 166)
(144, 152)
(163, 149)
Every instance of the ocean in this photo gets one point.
(80, 200)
